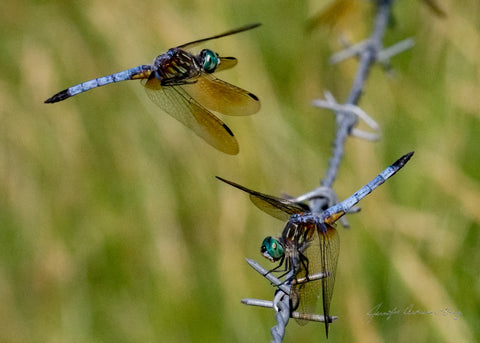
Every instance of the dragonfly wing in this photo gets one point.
(228, 33)
(329, 249)
(177, 103)
(222, 96)
(226, 63)
(309, 292)
(276, 207)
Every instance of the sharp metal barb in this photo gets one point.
(258, 302)
(368, 136)
(312, 317)
(269, 276)
(383, 55)
(331, 103)
(313, 277)
(349, 51)
(294, 314)
(388, 53)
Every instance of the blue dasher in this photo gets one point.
(309, 244)
(183, 85)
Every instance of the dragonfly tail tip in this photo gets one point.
(58, 97)
(404, 159)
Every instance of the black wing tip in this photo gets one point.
(253, 96)
(228, 130)
(252, 26)
(403, 160)
(58, 97)
(220, 178)
(247, 27)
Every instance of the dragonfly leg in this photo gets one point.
(177, 82)
(274, 270)
(304, 261)
(285, 270)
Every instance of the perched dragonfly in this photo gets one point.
(183, 85)
(309, 244)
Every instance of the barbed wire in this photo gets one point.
(348, 115)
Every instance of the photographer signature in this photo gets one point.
(410, 310)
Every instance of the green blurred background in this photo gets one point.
(114, 229)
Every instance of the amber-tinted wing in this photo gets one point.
(435, 7)
(226, 63)
(337, 13)
(276, 207)
(223, 97)
(180, 105)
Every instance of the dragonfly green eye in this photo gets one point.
(209, 60)
(272, 249)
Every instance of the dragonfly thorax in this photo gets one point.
(176, 67)
(300, 228)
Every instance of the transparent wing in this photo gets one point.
(309, 292)
(222, 96)
(329, 248)
(276, 207)
(177, 103)
(228, 33)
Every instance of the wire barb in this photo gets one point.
(349, 109)
(281, 302)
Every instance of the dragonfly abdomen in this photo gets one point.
(140, 72)
(335, 212)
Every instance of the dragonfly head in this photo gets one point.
(209, 60)
(272, 249)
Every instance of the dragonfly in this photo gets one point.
(182, 84)
(309, 243)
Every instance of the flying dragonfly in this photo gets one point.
(309, 244)
(183, 84)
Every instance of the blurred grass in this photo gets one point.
(113, 228)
